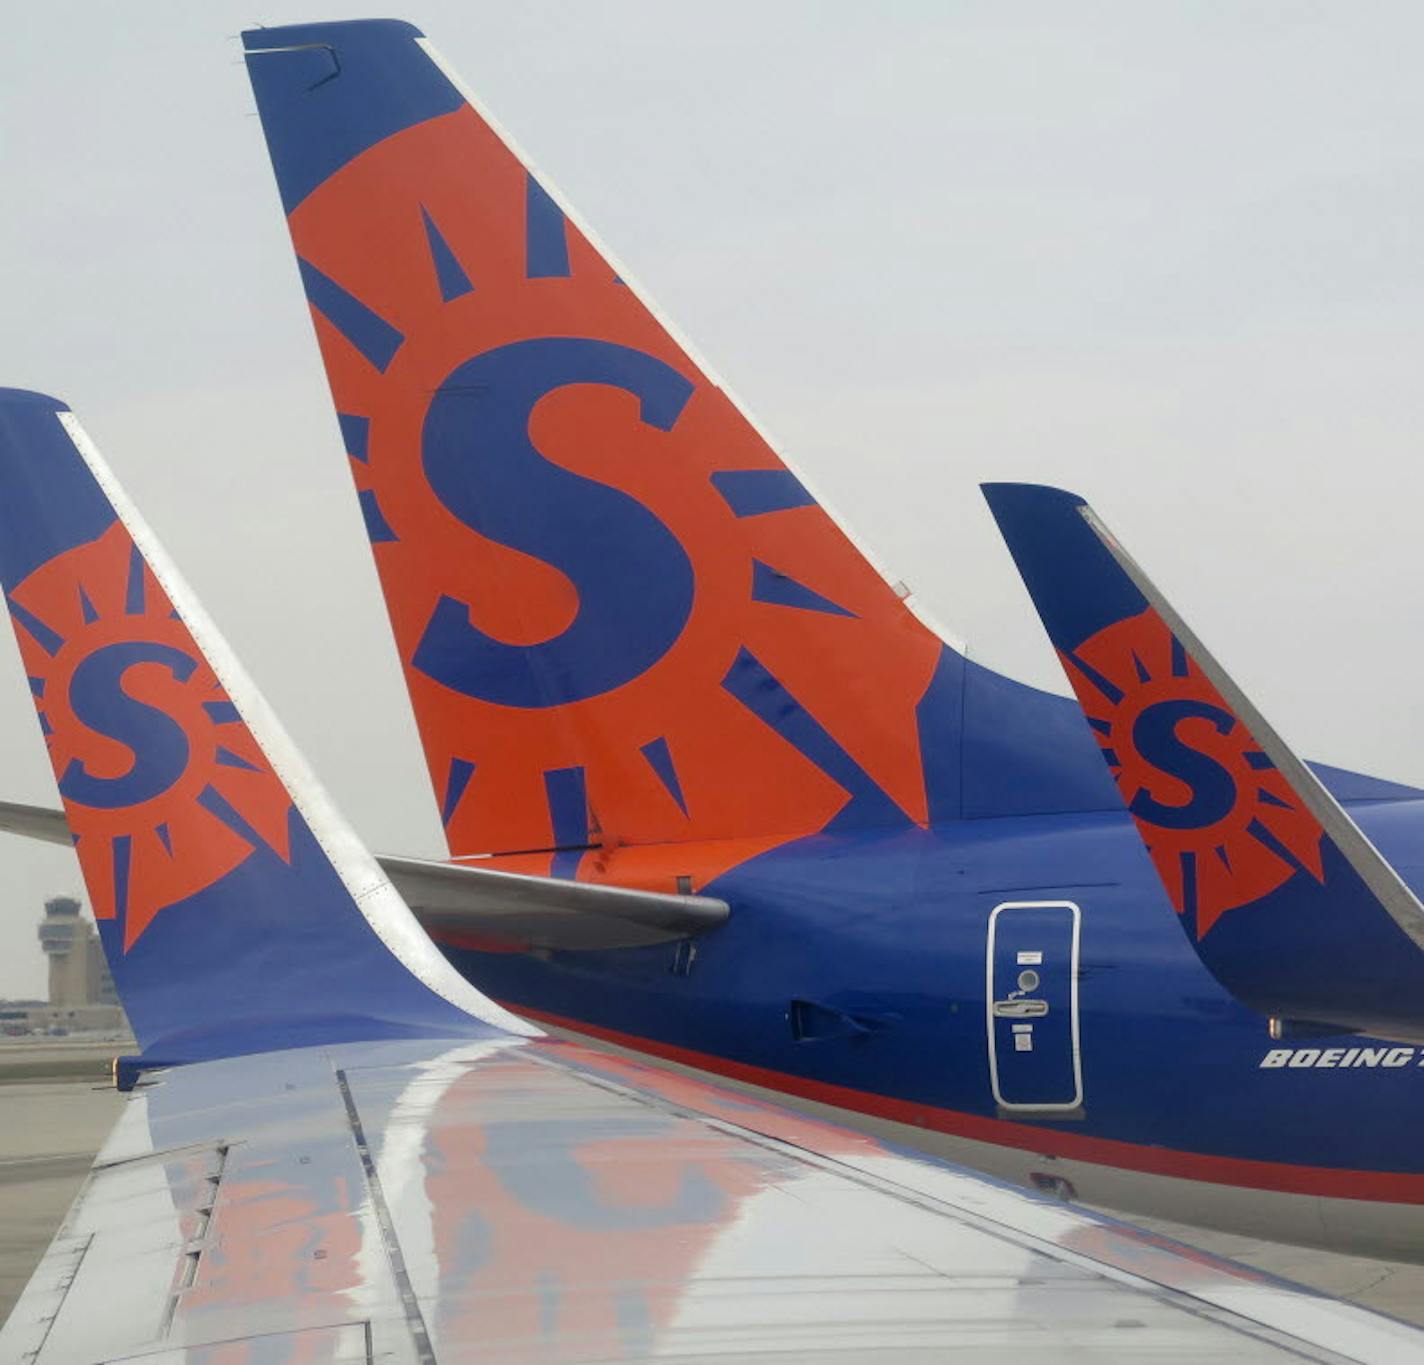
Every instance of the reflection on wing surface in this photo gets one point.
(526, 1201)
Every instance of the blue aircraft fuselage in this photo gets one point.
(859, 971)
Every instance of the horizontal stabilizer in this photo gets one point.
(35, 822)
(461, 904)
(1280, 892)
(238, 911)
(470, 906)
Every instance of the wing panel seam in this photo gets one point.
(81, 1253)
(410, 1305)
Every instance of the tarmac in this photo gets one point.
(57, 1107)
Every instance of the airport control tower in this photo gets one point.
(78, 974)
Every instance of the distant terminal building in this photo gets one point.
(81, 990)
(15, 1016)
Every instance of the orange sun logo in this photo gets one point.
(1221, 823)
(165, 789)
(605, 589)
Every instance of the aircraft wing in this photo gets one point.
(463, 902)
(1281, 893)
(529, 1201)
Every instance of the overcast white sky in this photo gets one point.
(1164, 254)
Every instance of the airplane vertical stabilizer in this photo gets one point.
(623, 618)
(236, 907)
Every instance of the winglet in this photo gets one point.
(238, 910)
(1282, 895)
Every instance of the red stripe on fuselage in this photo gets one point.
(1390, 1187)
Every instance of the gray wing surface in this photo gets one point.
(519, 1200)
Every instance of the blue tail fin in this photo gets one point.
(1282, 895)
(238, 911)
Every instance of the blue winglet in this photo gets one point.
(233, 920)
(1281, 894)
